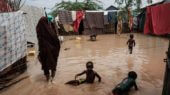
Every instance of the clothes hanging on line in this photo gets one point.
(79, 17)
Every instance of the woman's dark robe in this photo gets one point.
(49, 44)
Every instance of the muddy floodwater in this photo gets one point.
(111, 60)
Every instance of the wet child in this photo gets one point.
(131, 43)
(124, 87)
(90, 75)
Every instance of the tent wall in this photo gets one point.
(156, 20)
(33, 14)
(93, 23)
(13, 43)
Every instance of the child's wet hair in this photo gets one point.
(89, 64)
(131, 36)
(132, 74)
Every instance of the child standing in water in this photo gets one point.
(131, 43)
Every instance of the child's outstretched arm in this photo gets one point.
(98, 76)
(136, 87)
(80, 74)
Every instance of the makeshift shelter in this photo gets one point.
(65, 17)
(66, 22)
(32, 16)
(13, 43)
(111, 26)
(142, 16)
(84, 22)
(112, 8)
(156, 20)
(112, 19)
(93, 22)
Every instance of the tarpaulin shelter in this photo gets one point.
(66, 21)
(65, 17)
(111, 27)
(113, 21)
(32, 17)
(84, 21)
(157, 21)
(13, 42)
(93, 22)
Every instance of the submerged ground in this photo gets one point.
(111, 60)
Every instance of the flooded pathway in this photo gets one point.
(111, 60)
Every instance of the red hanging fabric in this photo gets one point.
(79, 17)
(161, 19)
(158, 20)
(148, 23)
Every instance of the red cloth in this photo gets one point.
(158, 20)
(79, 17)
(4, 7)
(161, 19)
(148, 23)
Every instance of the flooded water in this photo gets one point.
(111, 60)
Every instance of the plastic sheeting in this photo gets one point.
(33, 14)
(65, 17)
(158, 20)
(94, 23)
(12, 38)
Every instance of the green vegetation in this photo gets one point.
(75, 6)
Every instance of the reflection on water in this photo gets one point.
(112, 62)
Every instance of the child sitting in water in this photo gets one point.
(124, 87)
(90, 75)
(131, 43)
(93, 37)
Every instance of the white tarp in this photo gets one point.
(33, 15)
(13, 43)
